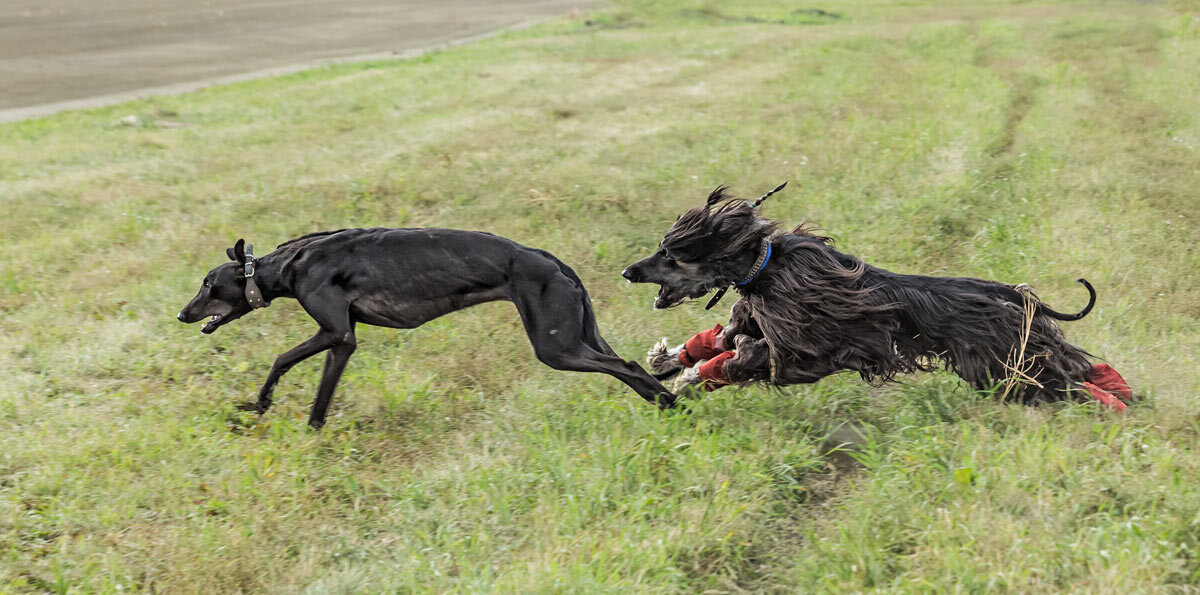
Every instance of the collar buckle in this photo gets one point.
(248, 265)
(253, 294)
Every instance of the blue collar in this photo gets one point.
(762, 264)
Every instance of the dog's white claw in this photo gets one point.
(656, 349)
(658, 357)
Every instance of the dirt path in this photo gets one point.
(65, 54)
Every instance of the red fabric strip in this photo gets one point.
(712, 372)
(1105, 377)
(701, 346)
(1108, 399)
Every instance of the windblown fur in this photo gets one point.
(815, 311)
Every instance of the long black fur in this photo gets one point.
(815, 311)
(403, 278)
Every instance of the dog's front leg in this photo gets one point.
(316, 344)
(753, 361)
(335, 364)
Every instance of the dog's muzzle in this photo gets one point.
(632, 276)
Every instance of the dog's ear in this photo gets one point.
(238, 252)
(717, 195)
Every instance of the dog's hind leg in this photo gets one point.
(562, 329)
(565, 354)
(581, 358)
(628, 372)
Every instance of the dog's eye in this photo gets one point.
(207, 283)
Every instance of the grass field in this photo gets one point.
(1032, 142)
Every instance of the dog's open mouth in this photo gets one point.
(214, 322)
(665, 300)
(668, 298)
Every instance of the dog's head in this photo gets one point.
(707, 247)
(222, 296)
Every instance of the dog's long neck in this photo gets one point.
(745, 262)
(269, 276)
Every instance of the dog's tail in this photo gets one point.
(1044, 309)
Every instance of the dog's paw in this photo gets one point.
(688, 381)
(260, 406)
(660, 358)
(691, 393)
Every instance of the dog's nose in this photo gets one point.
(631, 275)
(180, 316)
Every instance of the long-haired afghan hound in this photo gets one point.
(808, 310)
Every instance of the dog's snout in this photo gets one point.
(181, 317)
(631, 274)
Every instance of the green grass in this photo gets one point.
(1031, 142)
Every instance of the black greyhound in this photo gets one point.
(403, 278)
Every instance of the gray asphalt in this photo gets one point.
(60, 54)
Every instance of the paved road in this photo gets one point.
(100, 51)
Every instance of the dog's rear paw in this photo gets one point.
(687, 383)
